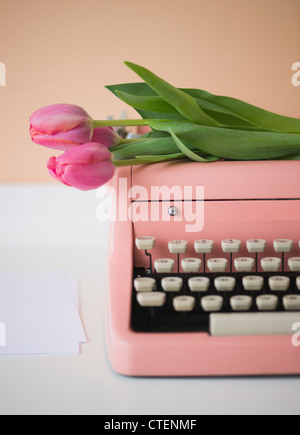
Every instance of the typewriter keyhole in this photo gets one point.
(173, 211)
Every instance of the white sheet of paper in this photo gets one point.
(40, 311)
(49, 349)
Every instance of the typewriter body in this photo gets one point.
(205, 269)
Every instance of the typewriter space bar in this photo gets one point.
(233, 324)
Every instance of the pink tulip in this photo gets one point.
(61, 126)
(85, 167)
(106, 136)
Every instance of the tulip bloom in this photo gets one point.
(61, 126)
(86, 167)
(106, 136)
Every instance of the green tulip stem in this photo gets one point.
(131, 141)
(120, 123)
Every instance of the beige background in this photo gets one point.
(67, 50)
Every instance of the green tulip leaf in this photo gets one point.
(232, 143)
(225, 110)
(190, 154)
(155, 147)
(247, 112)
(147, 159)
(161, 158)
(152, 104)
(184, 103)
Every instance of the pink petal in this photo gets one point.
(107, 136)
(52, 168)
(58, 117)
(67, 140)
(88, 177)
(85, 154)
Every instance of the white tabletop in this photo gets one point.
(86, 384)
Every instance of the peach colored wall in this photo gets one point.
(67, 50)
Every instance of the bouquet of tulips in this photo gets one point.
(185, 124)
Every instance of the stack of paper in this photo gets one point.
(39, 313)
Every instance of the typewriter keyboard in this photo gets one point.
(206, 298)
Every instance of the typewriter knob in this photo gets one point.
(173, 211)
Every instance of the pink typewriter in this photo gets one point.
(205, 269)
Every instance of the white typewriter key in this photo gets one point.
(283, 245)
(256, 245)
(270, 264)
(212, 303)
(199, 284)
(253, 283)
(279, 283)
(244, 264)
(204, 246)
(267, 302)
(217, 264)
(231, 245)
(144, 284)
(225, 283)
(183, 303)
(178, 246)
(153, 299)
(172, 284)
(291, 302)
(298, 282)
(191, 264)
(164, 265)
(145, 242)
(241, 303)
(294, 264)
